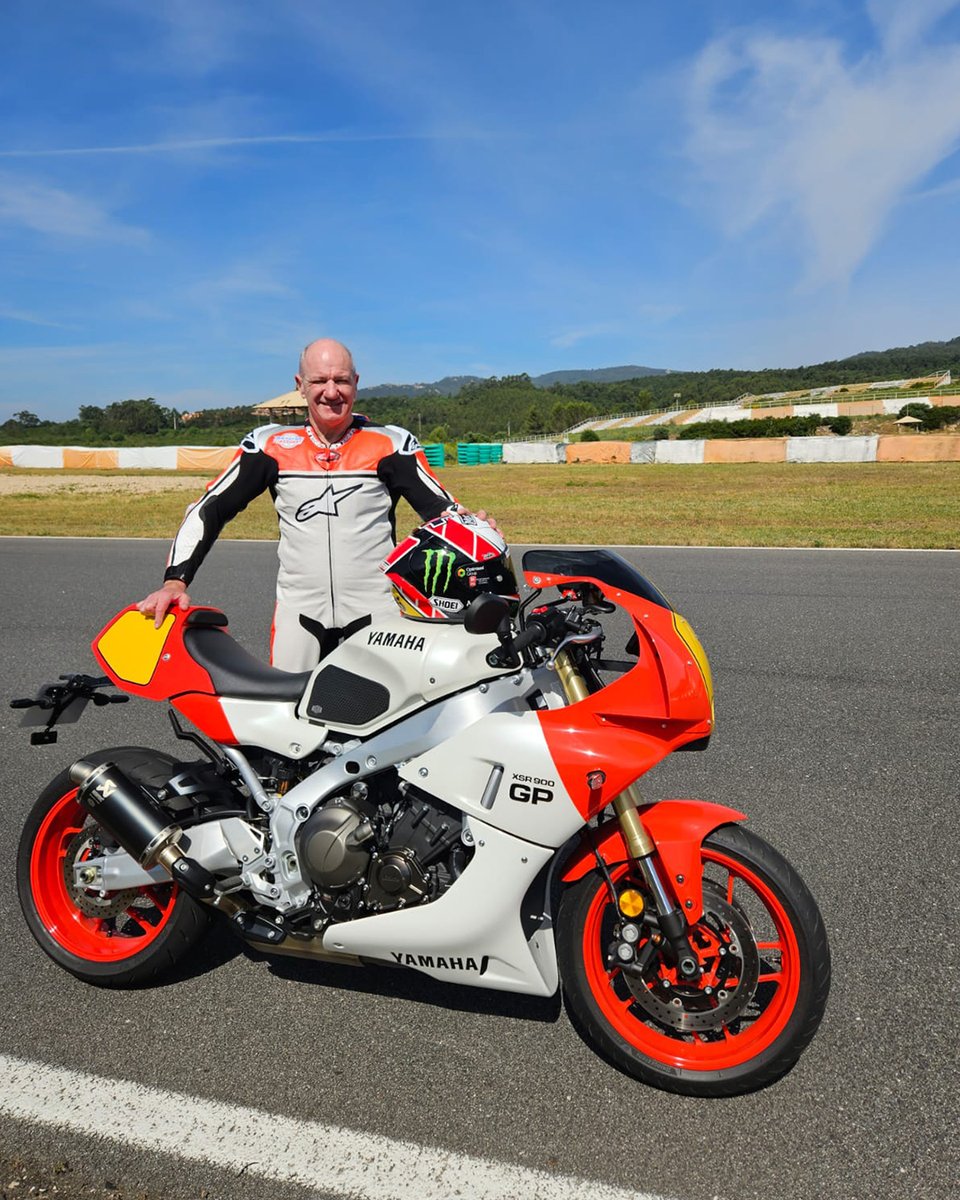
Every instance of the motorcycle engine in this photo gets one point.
(380, 847)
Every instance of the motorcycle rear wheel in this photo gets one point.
(117, 940)
(765, 966)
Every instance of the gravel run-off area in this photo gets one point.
(19, 485)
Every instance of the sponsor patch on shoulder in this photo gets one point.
(288, 440)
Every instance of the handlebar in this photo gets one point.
(508, 653)
(535, 634)
(552, 626)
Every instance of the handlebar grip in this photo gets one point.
(535, 634)
(508, 653)
(22, 703)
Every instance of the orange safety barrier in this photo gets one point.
(859, 408)
(781, 410)
(204, 459)
(6, 458)
(80, 458)
(918, 447)
(745, 450)
(598, 452)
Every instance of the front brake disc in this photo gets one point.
(688, 1007)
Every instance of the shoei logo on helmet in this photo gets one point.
(437, 569)
(445, 604)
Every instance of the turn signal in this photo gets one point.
(631, 903)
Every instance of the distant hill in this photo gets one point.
(450, 385)
(600, 375)
(920, 359)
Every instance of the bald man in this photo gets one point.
(335, 483)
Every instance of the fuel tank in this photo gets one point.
(391, 668)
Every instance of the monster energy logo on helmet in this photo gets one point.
(435, 579)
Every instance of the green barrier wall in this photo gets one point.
(473, 454)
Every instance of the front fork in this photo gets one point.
(640, 846)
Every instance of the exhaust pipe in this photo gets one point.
(130, 815)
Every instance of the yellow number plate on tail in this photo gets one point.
(131, 647)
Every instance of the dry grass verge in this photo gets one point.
(752, 504)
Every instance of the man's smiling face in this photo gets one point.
(328, 383)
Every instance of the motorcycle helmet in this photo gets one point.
(446, 563)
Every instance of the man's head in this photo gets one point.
(327, 380)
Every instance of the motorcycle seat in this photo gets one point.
(235, 672)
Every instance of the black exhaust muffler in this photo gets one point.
(130, 815)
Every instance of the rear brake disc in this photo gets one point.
(88, 899)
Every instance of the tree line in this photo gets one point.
(490, 409)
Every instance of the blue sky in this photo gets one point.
(192, 189)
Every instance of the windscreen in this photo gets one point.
(603, 565)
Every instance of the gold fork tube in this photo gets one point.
(573, 683)
(639, 842)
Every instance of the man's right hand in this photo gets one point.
(174, 591)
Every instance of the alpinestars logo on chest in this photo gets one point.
(327, 504)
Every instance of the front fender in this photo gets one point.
(677, 828)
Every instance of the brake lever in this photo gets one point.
(575, 639)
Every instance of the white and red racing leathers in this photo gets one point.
(336, 511)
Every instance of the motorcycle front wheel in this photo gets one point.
(113, 939)
(764, 973)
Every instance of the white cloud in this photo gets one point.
(29, 318)
(902, 24)
(634, 316)
(789, 131)
(191, 39)
(242, 279)
(188, 145)
(48, 210)
(572, 337)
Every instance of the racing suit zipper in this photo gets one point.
(330, 575)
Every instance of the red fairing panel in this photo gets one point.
(155, 664)
(677, 828)
(634, 722)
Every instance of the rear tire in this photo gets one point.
(765, 966)
(118, 940)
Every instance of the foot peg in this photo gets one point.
(256, 929)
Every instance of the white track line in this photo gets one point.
(363, 1166)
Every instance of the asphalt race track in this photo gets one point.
(838, 680)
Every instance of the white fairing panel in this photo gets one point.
(274, 725)
(416, 661)
(499, 770)
(473, 933)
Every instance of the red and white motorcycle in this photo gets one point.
(453, 796)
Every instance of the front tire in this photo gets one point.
(120, 939)
(765, 974)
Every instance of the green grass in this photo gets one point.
(751, 504)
